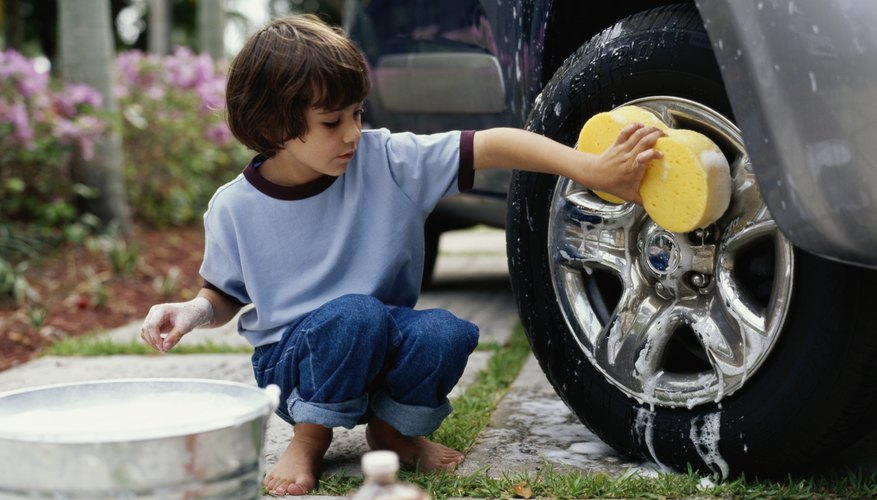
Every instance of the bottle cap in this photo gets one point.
(380, 462)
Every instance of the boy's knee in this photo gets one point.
(361, 305)
(450, 334)
(358, 316)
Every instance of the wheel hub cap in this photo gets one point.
(661, 254)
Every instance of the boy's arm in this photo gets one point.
(618, 170)
(165, 324)
(223, 308)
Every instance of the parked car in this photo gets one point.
(751, 348)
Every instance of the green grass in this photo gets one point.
(549, 483)
(472, 412)
(92, 345)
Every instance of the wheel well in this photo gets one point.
(573, 22)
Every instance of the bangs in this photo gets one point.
(339, 85)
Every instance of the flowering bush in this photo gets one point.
(41, 123)
(178, 148)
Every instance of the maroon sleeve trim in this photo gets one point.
(466, 175)
(211, 286)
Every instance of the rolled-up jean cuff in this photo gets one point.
(344, 414)
(410, 420)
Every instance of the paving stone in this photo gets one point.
(531, 428)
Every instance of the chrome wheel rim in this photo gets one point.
(672, 319)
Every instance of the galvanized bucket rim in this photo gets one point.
(207, 425)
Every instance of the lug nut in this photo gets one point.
(662, 290)
(700, 280)
(701, 236)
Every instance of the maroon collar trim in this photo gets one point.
(312, 188)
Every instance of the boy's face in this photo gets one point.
(328, 146)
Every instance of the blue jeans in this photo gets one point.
(355, 357)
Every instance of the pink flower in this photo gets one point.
(218, 134)
(155, 92)
(128, 67)
(17, 115)
(184, 70)
(212, 94)
(21, 70)
(68, 100)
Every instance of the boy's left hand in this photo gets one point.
(623, 164)
(165, 324)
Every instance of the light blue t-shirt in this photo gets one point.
(288, 250)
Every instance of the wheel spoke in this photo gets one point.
(724, 342)
(740, 304)
(591, 235)
(747, 205)
(631, 344)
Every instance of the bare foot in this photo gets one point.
(412, 450)
(295, 473)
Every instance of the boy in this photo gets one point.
(323, 235)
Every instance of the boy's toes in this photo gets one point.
(296, 489)
(285, 488)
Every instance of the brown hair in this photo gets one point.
(290, 65)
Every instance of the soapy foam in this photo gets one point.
(644, 425)
(132, 416)
(704, 434)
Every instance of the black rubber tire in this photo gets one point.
(815, 394)
(432, 232)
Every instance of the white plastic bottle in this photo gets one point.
(379, 469)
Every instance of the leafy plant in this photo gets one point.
(13, 284)
(167, 284)
(123, 257)
(42, 121)
(178, 147)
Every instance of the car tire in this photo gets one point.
(432, 233)
(807, 393)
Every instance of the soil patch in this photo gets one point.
(90, 288)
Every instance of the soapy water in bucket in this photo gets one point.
(136, 416)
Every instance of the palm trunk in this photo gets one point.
(86, 53)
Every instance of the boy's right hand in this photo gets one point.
(623, 165)
(174, 320)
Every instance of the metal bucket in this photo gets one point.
(134, 438)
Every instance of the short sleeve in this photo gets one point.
(430, 167)
(221, 267)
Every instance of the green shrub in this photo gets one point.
(42, 122)
(178, 148)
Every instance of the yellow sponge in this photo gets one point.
(689, 188)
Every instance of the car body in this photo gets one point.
(809, 126)
(759, 339)
(803, 75)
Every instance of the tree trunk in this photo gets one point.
(86, 54)
(211, 27)
(13, 24)
(158, 28)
